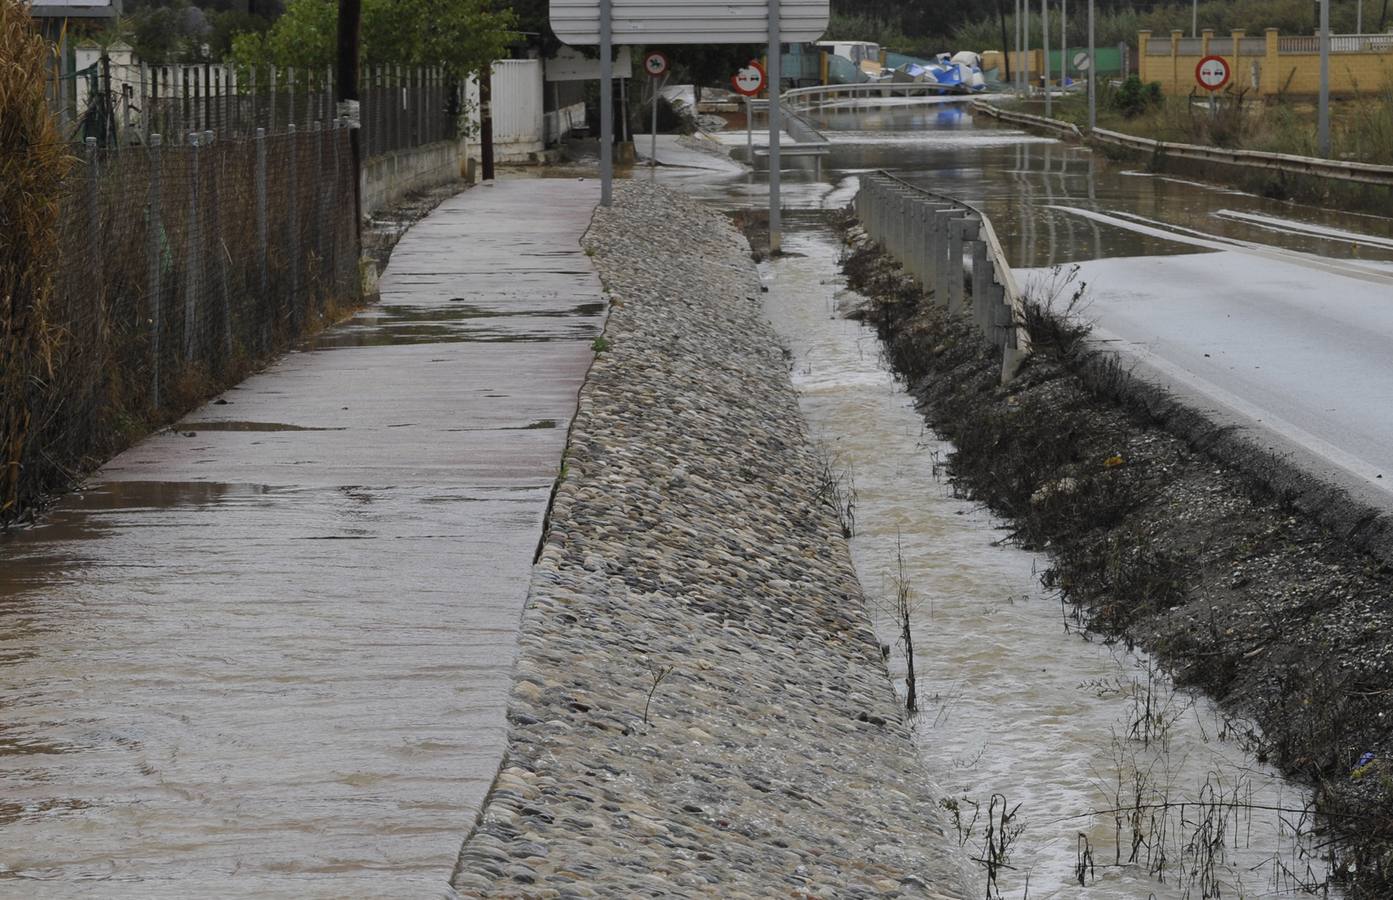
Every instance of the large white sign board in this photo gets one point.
(75, 9)
(657, 22)
(570, 65)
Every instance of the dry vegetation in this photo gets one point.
(1169, 545)
(33, 164)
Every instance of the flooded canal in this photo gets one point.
(1107, 772)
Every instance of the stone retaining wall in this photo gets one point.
(389, 177)
(701, 707)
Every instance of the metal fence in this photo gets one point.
(952, 251)
(182, 266)
(121, 102)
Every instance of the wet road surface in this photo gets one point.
(267, 653)
(1275, 317)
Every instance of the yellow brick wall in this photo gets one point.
(1292, 73)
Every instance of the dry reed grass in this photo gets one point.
(34, 162)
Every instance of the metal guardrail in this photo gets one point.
(1339, 170)
(818, 95)
(943, 242)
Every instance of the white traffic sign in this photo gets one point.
(1213, 73)
(651, 22)
(655, 64)
(1081, 61)
(749, 80)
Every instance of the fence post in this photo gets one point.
(144, 108)
(398, 104)
(191, 253)
(262, 242)
(94, 216)
(333, 267)
(154, 229)
(292, 242)
(318, 183)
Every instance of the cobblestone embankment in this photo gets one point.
(700, 707)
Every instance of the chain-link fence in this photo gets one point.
(122, 102)
(182, 267)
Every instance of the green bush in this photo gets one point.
(1134, 98)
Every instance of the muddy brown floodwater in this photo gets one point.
(267, 653)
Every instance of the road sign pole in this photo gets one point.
(1045, 52)
(775, 127)
(606, 106)
(1092, 73)
(653, 156)
(1063, 44)
(1323, 128)
(1018, 61)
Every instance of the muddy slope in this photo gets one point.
(1167, 543)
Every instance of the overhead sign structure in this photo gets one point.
(76, 9)
(658, 22)
(750, 80)
(611, 23)
(1213, 72)
(655, 64)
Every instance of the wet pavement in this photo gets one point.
(266, 653)
(1272, 316)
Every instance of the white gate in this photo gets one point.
(517, 104)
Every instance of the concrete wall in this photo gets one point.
(1269, 65)
(391, 176)
(519, 125)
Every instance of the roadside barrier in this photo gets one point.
(1339, 170)
(945, 245)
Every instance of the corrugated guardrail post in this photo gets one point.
(930, 235)
(960, 229)
(981, 283)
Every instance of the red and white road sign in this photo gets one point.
(1213, 73)
(749, 80)
(655, 64)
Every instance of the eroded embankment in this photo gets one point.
(1163, 542)
(700, 707)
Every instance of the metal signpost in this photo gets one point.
(656, 65)
(643, 22)
(1213, 73)
(1045, 50)
(1092, 74)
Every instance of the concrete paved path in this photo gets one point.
(267, 654)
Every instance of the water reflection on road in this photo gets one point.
(1033, 189)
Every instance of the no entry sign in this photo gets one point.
(1213, 73)
(749, 80)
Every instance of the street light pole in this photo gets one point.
(1195, 19)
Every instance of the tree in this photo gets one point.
(460, 35)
